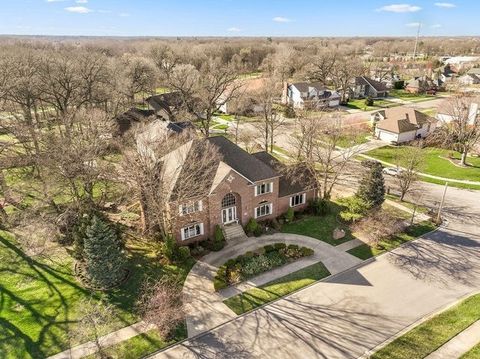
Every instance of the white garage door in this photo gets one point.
(387, 136)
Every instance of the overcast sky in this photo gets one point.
(238, 17)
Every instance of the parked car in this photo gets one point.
(392, 171)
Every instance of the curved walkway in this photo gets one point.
(204, 307)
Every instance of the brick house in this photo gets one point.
(243, 186)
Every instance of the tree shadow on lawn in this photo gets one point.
(38, 301)
(29, 316)
(144, 268)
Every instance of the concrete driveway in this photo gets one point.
(354, 311)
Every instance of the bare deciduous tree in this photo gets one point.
(272, 119)
(378, 226)
(95, 318)
(411, 159)
(204, 91)
(161, 305)
(344, 71)
(165, 173)
(316, 144)
(462, 131)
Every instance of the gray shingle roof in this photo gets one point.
(287, 185)
(378, 86)
(241, 161)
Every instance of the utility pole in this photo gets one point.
(416, 41)
(440, 207)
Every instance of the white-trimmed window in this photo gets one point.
(263, 188)
(298, 199)
(192, 207)
(264, 209)
(192, 231)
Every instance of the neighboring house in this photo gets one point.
(447, 73)
(156, 131)
(243, 186)
(469, 79)
(366, 87)
(131, 118)
(458, 62)
(473, 115)
(423, 84)
(166, 105)
(398, 125)
(310, 95)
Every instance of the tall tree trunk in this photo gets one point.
(463, 161)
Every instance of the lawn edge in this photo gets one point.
(422, 320)
(326, 279)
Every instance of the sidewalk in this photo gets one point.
(458, 345)
(113, 338)
(424, 174)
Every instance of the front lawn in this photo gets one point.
(435, 164)
(432, 334)
(364, 251)
(360, 104)
(40, 296)
(413, 97)
(320, 227)
(141, 345)
(473, 353)
(256, 297)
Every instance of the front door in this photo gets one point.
(229, 215)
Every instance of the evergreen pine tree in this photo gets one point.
(372, 186)
(104, 258)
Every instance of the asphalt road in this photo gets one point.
(358, 309)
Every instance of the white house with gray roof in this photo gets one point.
(310, 95)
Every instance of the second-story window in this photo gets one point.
(191, 207)
(263, 188)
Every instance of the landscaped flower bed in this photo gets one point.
(253, 263)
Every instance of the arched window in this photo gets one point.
(229, 200)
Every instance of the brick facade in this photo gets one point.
(246, 202)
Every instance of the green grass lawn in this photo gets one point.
(450, 184)
(359, 104)
(473, 353)
(429, 336)
(364, 251)
(256, 297)
(407, 96)
(142, 345)
(319, 227)
(420, 209)
(435, 162)
(40, 296)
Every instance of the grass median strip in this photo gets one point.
(256, 297)
(432, 334)
(364, 251)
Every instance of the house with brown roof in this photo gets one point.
(399, 124)
(423, 84)
(366, 87)
(242, 186)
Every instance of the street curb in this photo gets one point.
(326, 279)
(417, 323)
